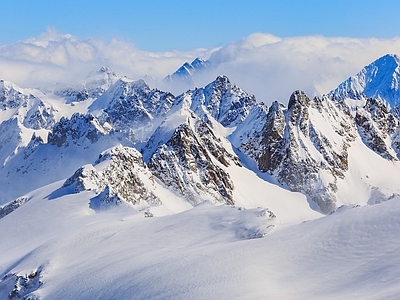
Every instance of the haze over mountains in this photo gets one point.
(83, 165)
(278, 66)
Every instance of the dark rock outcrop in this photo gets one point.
(121, 179)
(186, 164)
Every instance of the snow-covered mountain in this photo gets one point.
(85, 163)
(187, 70)
(379, 80)
(307, 146)
(185, 76)
(314, 147)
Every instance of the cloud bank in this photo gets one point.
(268, 66)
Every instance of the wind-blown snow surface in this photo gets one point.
(209, 252)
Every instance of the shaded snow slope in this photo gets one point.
(380, 80)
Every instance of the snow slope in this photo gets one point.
(207, 252)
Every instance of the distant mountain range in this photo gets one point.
(307, 146)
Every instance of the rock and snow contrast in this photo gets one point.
(114, 190)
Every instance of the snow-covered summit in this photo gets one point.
(222, 99)
(380, 80)
(187, 70)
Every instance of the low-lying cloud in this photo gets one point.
(268, 66)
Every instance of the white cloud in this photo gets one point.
(54, 57)
(268, 66)
(274, 67)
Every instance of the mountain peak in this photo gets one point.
(104, 69)
(198, 63)
(298, 97)
(187, 70)
(389, 57)
(380, 80)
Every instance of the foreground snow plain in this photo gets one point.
(208, 252)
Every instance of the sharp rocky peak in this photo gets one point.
(11, 96)
(30, 111)
(192, 163)
(187, 70)
(223, 100)
(132, 104)
(305, 146)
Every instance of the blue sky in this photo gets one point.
(154, 25)
(268, 48)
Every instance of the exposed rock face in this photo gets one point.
(118, 175)
(189, 164)
(24, 286)
(31, 112)
(395, 111)
(294, 147)
(135, 103)
(73, 94)
(10, 97)
(304, 146)
(10, 207)
(226, 102)
(40, 116)
(86, 178)
(271, 139)
(76, 130)
(396, 141)
(214, 144)
(379, 80)
(33, 143)
(376, 126)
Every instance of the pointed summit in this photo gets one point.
(185, 73)
(188, 69)
(379, 79)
